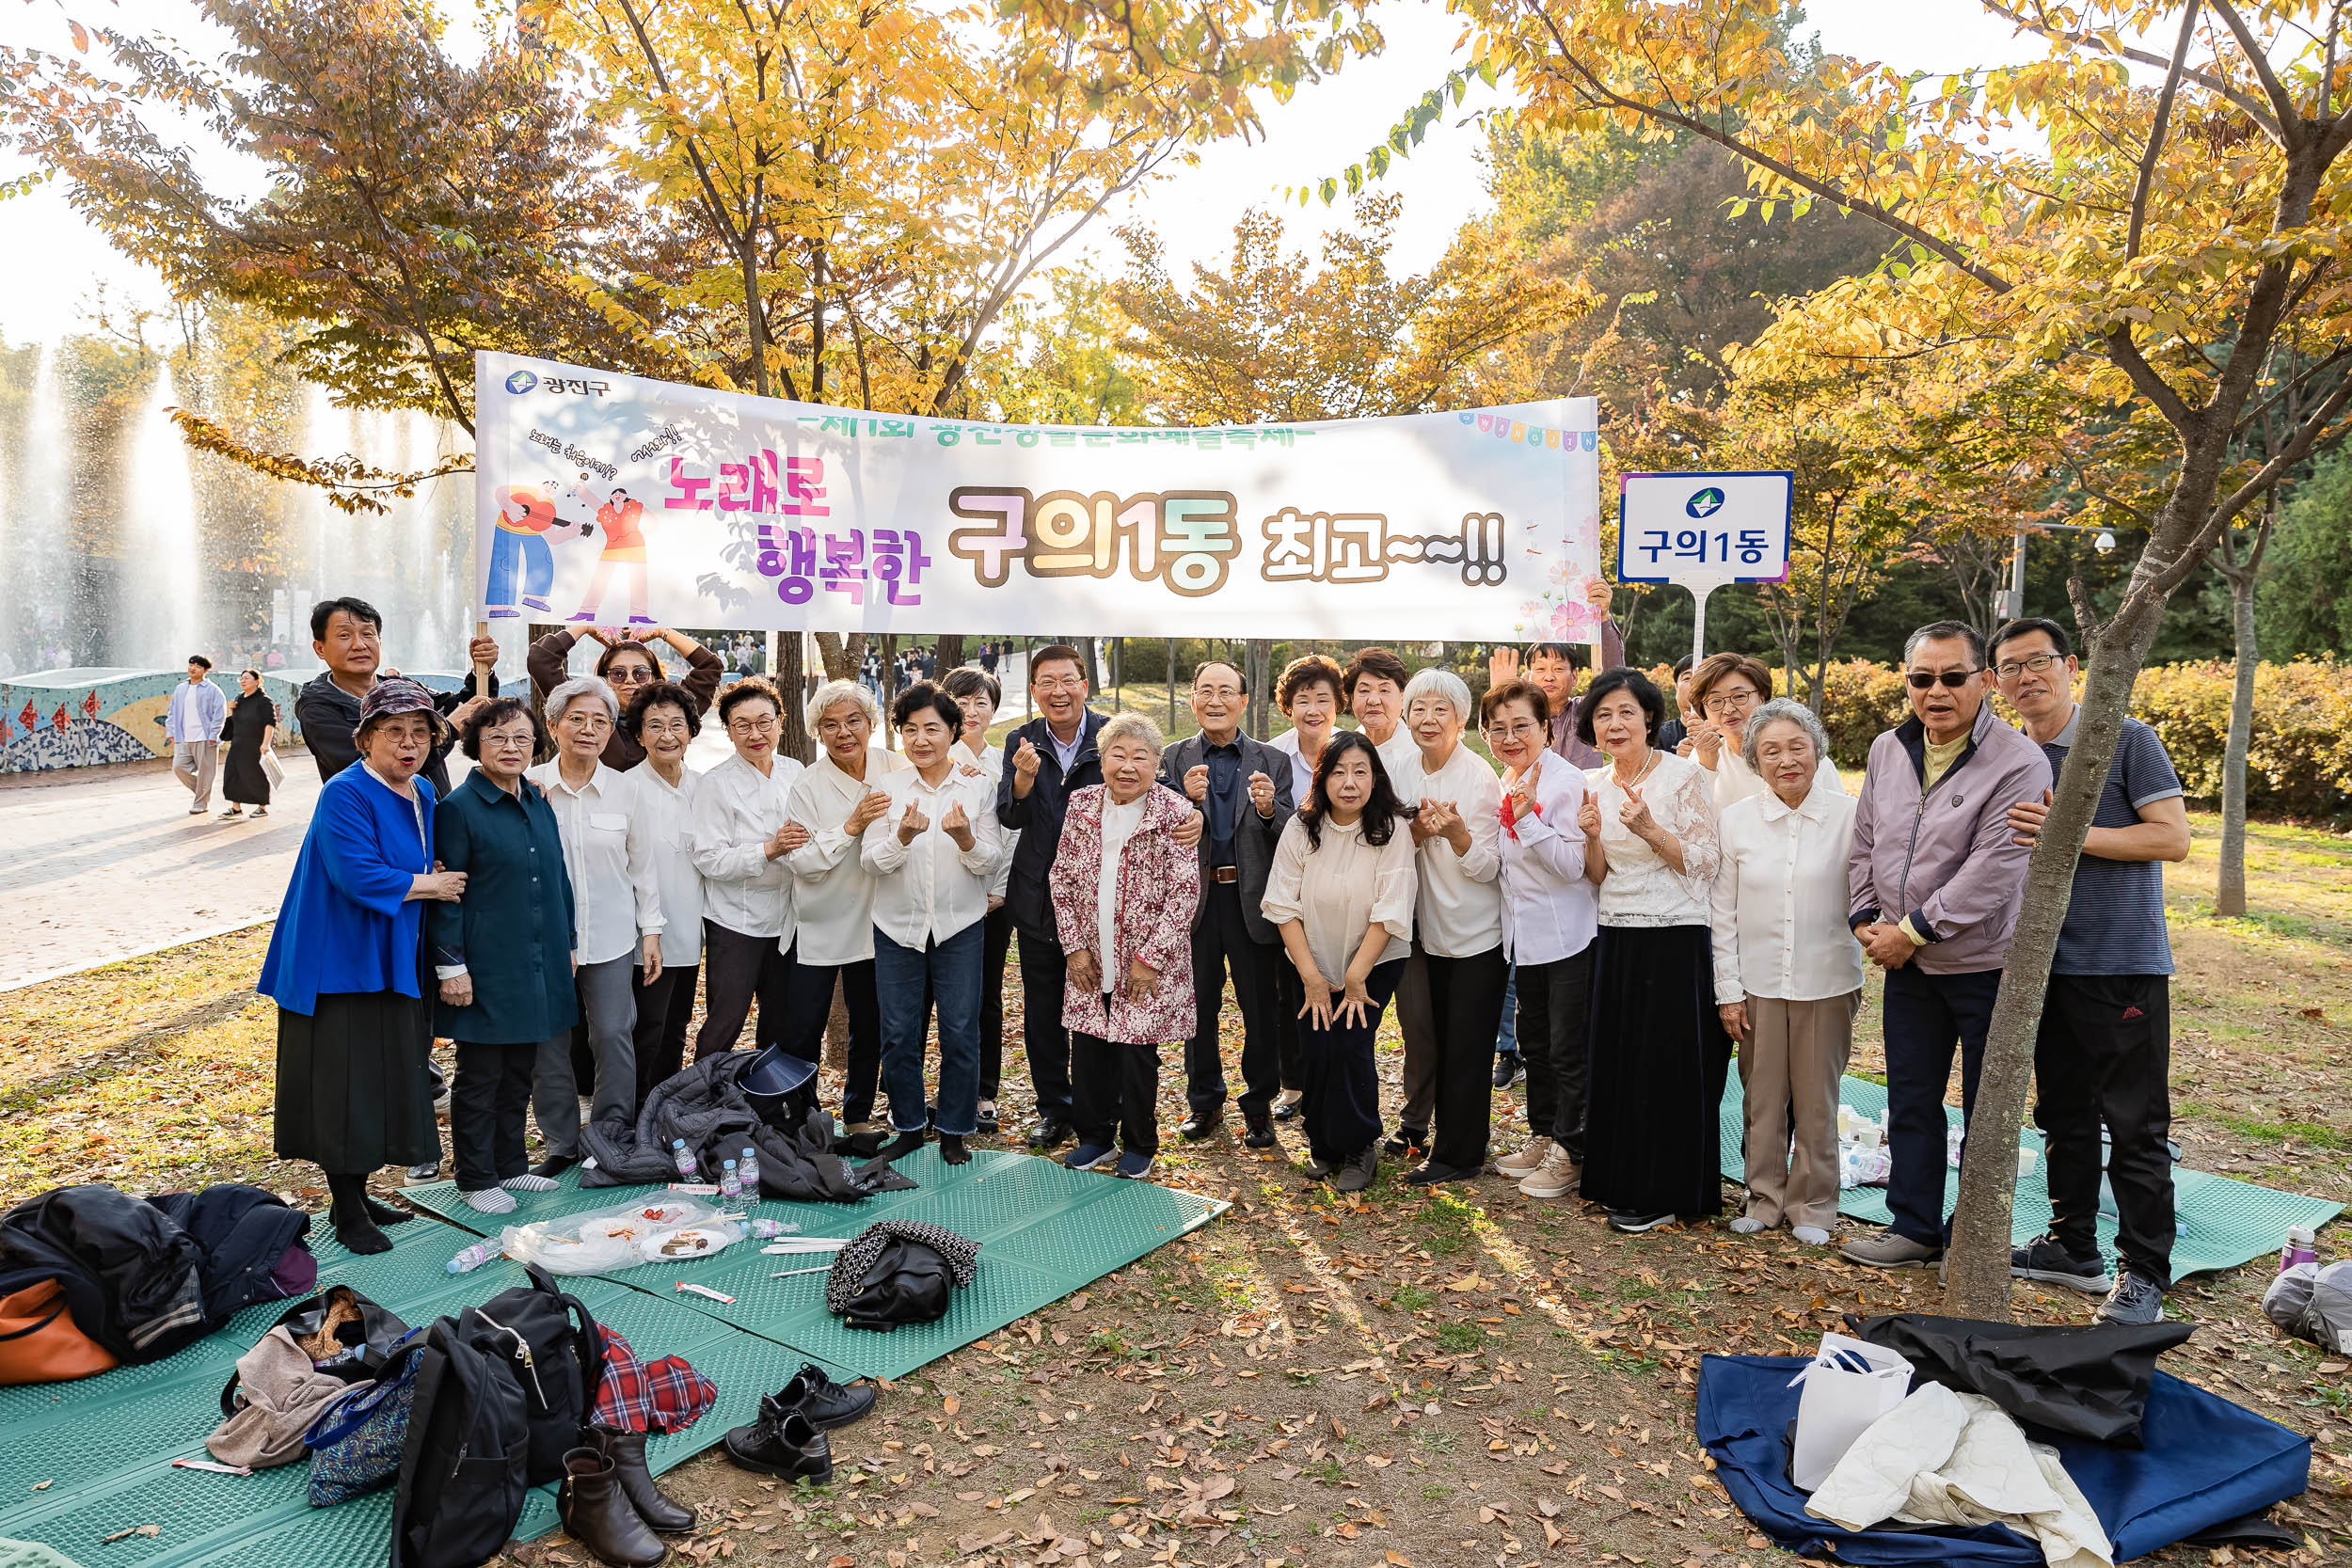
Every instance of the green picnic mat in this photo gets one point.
(1044, 1231)
(2222, 1223)
(83, 1461)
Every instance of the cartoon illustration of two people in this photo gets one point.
(532, 516)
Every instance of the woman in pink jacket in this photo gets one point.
(1124, 895)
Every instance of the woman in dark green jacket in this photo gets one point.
(504, 953)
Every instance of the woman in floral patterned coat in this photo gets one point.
(1124, 895)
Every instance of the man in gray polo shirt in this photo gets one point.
(2104, 1052)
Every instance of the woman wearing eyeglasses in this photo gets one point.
(1659, 1052)
(628, 665)
(742, 832)
(1726, 690)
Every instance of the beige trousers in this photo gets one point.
(194, 763)
(1789, 1068)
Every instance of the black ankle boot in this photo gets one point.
(827, 1404)
(627, 1449)
(347, 1212)
(597, 1513)
(782, 1443)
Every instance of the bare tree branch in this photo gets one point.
(2156, 131)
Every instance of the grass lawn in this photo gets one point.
(1461, 1378)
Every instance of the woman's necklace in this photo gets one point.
(1628, 783)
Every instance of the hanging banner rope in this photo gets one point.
(616, 499)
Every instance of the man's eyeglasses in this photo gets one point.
(1951, 681)
(2016, 667)
(1075, 684)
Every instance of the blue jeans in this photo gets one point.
(528, 550)
(1507, 1036)
(953, 968)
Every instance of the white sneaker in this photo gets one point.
(490, 1200)
(1528, 1160)
(1559, 1176)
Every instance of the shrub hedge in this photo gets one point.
(2300, 762)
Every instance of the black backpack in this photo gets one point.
(558, 1367)
(462, 1483)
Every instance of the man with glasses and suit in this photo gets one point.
(1934, 879)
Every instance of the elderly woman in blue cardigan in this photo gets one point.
(355, 1029)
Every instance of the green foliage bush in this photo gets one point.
(2300, 762)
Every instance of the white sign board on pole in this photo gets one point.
(1701, 530)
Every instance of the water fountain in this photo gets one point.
(34, 514)
(161, 611)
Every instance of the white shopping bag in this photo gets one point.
(1850, 1385)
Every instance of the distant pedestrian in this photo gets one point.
(193, 727)
(251, 734)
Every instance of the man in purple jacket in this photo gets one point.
(1935, 875)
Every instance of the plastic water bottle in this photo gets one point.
(748, 1168)
(730, 1184)
(768, 1230)
(687, 1170)
(2302, 1248)
(473, 1257)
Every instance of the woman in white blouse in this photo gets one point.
(932, 853)
(1457, 972)
(742, 832)
(836, 799)
(1341, 891)
(1659, 1052)
(1727, 688)
(1787, 970)
(1549, 923)
(612, 913)
(663, 721)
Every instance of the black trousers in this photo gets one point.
(1926, 1015)
(1339, 1088)
(996, 942)
(1555, 1005)
(808, 1005)
(1044, 971)
(486, 1105)
(2103, 1053)
(1221, 940)
(1466, 1004)
(1114, 1093)
(664, 1009)
(738, 971)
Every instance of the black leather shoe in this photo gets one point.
(1408, 1142)
(1432, 1173)
(553, 1165)
(596, 1512)
(826, 1403)
(1260, 1129)
(627, 1449)
(783, 1444)
(1201, 1124)
(1049, 1133)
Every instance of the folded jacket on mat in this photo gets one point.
(2203, 1460)
(278, 1395)
(706, 1107)
(1941, 1458)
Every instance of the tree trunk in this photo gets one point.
(889, 687)
(841, 656)
(1171, 686)
(950, 651)
(795, 742)
(1094, 668)
(1258, 653)
(2230, 884)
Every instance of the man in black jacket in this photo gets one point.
(1242, 790)
(348, 635)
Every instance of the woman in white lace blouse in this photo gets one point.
(1658, 1051)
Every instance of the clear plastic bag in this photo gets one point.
(622, 1235)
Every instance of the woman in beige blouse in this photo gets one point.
(1341, 891)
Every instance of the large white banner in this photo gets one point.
(615, 500)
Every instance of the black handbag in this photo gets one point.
(369, 1336)
(899, 1271)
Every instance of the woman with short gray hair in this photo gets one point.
(612, 915)
(1788, 968)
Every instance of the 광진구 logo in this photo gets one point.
(1705, 503)
(521, 382)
